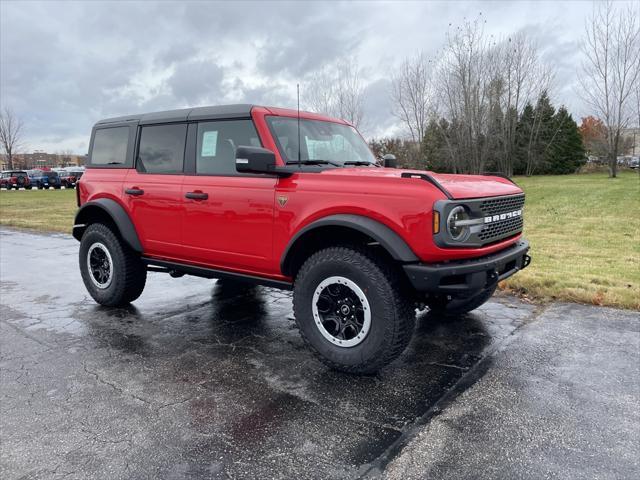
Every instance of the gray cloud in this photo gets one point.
(67, 64)
(195, 80)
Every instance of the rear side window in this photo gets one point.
(110, 146)
(162, 148)
(217, 143)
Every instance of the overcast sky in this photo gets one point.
(65, 65)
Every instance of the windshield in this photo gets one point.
(319, 141)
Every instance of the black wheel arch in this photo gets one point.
(340, 228)
(108, 211)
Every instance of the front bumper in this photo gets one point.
(467, 277)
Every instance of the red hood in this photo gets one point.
(458, 186)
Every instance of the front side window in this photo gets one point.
(110, 146)
(217, 143)
(162, 148)
(319, 140)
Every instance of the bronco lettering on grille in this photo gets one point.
(502, 216)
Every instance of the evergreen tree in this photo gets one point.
(434, 146)
(545, 134)
(524, 132)
(566, 153)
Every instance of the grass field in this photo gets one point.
(45, 210)
(584, 232)
(585, 239)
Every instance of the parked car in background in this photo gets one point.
(69, 178)
(45, 179)
(634, 163)
(15, 179)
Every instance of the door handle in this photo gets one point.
(197, 195)
(134, 191)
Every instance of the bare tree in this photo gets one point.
(466, 78)
(611, 70)
(337, 90)
(10, 134)
(524, 78)
(413, 95)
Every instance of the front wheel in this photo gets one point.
(460, 306)
(113, 274)
(351, 311)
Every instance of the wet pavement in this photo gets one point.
(202, 379)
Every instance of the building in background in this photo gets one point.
(41, 159)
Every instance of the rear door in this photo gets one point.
(152, 191)
(228, 217)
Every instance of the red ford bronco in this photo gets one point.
(295, 201)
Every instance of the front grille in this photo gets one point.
(499, 205)
(502, 228)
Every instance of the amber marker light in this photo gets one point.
(436, 221)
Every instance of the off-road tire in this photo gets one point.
(462, 305)
(392, 313)
(129, 273)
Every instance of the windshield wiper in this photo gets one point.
(315, 162)
(360, 162)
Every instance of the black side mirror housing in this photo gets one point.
(255, 160)
(389, 160)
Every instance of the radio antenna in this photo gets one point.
(298, 88)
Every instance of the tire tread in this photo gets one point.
(134, 271)
(400, 330)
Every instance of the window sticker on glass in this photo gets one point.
(209, 143)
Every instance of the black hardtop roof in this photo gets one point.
(184, 114)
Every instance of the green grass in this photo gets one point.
(585, 239)
(584, 232)
(44, 210)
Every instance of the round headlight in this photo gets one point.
(457, 232)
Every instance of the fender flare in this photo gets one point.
(387, 238)
(116, 212)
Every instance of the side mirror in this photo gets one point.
(255, 160)
(389, 160)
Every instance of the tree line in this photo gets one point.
(544, 141)
(483, 103)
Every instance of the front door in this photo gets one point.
(153, 191)
(228, 217)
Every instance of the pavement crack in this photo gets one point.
(114, 386)
(173, 404)
(447, 365)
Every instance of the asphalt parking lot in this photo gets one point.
(200, 379)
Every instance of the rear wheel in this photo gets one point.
(351, 311)
(113, 274)
(460, 306)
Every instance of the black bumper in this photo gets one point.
(467, 277)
